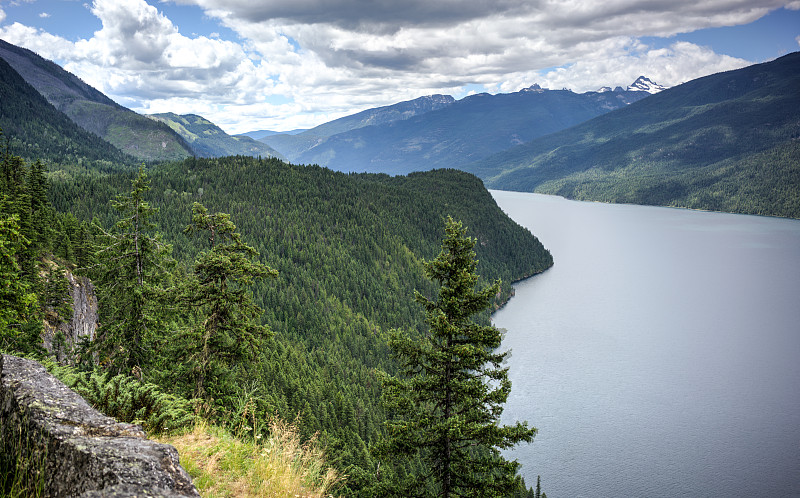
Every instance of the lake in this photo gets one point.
(660, 355)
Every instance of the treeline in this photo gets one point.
(348, 251)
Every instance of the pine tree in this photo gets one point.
(230, 334)
(448, 402)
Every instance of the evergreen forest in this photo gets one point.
(249, 287)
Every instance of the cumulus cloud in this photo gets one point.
(669, 66)
(139, 55)
(301, 62)
(43, 43)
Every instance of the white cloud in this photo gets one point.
(669, 66)
(43, 43)
(301, 62)
(138, 56)
(352, 54)
(44, 15)
(2, 15)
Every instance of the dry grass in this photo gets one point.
(278, 464)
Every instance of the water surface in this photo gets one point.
(660, 356)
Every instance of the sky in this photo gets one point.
(286, 64)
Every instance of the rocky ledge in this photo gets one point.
(61, 446)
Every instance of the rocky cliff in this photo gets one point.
(59, 336)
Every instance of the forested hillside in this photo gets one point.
(209, 140)
(348, 251)
(727, 142)
(128, 131)
(35, 129)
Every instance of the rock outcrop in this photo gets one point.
(59, 444)
(60, 337)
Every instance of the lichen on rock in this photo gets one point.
(54, 438)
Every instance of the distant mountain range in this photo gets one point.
(728, 142)
(259, 134)
(440, 132)
(208, 140)
(128, 131)
(293, 146)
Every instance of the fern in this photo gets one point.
(127, 399)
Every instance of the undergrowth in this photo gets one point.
(127, 399)
(260, 465)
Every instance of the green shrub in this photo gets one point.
(127, 399)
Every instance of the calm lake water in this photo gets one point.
(660, 356)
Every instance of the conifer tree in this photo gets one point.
(448, 402)
(130, 275)
(16, 300)
(230, 333)
(39, 206)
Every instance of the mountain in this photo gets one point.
(208, 140)
(349, 252)
(259, 134)
(37, 130)
(460, 132)
(128, 131)
(728, 142)
(293, 145)
(644, 84)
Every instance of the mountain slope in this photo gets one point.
(208, 140)
(293, 145)
(37, 130)
(469, 129)
(726, 142)
(130, 132)
(348, 250)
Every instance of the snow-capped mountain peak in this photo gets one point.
(644, 84)
(534, 88)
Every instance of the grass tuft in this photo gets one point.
(277, 464)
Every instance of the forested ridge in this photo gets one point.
(35, 130)
(348, 250)
(209, 140)
(131, 133)
(726, 142)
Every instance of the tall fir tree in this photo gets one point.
(17, 302)
(132, 271)
(230, 333)
(447, 404)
